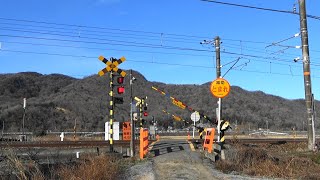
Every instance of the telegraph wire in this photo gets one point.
(260, 8)
(278, 43)
(96, 48)
(96, 27)
(156, 34)
(80, 35)
(246, 41)
(51, 54)
(155, 46)
(226, 52)
(254, 56)
(106, 43)
(140, 61)
(144, 36)
(82, 47)
(160, 63)
(249, 47)
(150, 45)
(95, 57)
(257, 50)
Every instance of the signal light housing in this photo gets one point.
(120, 80)
(120, 90)
(145, 113)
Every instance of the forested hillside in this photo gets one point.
(55, 102)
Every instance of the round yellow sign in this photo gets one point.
(220, 88)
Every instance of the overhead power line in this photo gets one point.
(97, 27)
(92, 33)
(109, 43)
(260, 8)
(79, 28)
(79, 32)
(160, 63)
(151, 62)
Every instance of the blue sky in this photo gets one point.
(161, 39)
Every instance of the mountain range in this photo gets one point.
(57, 102)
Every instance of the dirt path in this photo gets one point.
(177, 159)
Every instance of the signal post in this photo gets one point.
(112, 67)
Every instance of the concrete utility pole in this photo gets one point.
(218, 70)
(132, 144)
(217, 45)
(306, 72)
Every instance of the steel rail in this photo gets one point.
(257, 140)
(66, 144)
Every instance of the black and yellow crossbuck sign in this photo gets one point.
(112, 65)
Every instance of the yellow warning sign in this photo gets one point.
(220, 88)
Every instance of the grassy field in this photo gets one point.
(87, 167)
(289, 161)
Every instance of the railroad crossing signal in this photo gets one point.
(142, 104)
(112, 65)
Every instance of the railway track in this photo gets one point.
(259, 140)
(65, 144)
(71, 144)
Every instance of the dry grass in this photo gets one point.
(278, 161)
(95, 168)
(89, 167)
(23, 170)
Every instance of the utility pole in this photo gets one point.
(23, 118)
(132, 144)
(75, 129)
(216, 44)
(140, 113)
(218, 70)
(306, 72)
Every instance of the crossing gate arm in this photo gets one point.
(209, 138)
